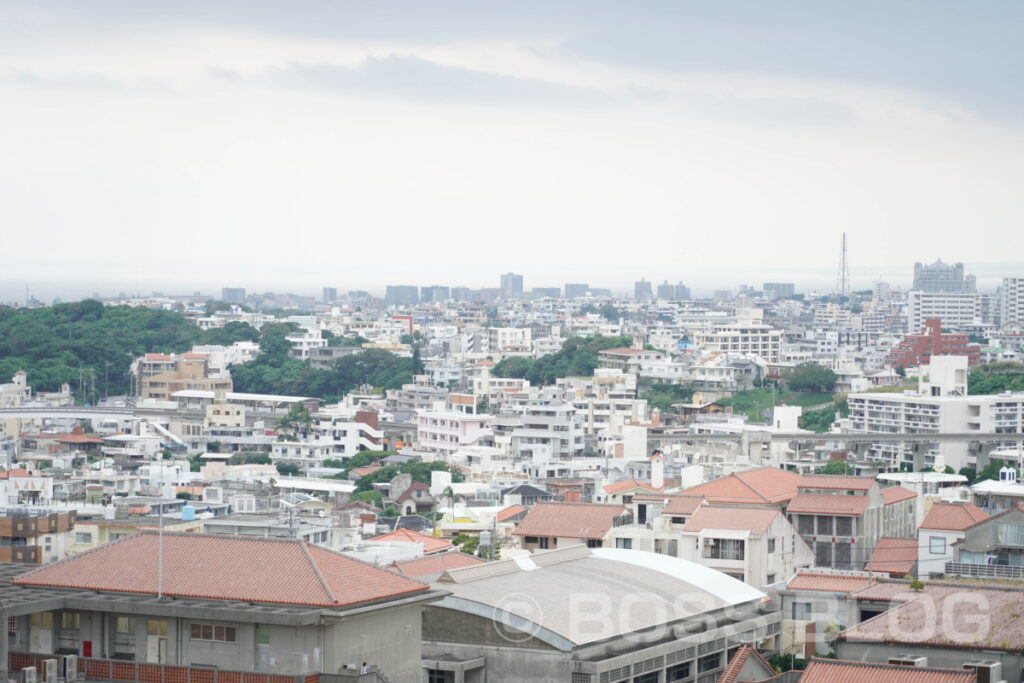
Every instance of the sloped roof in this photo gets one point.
(839, 671)
(436, 564)
(510, 512)
(763, 485)
(896, 494)
(894, 555)
(570, 520)
(835, 481)
(953, 516)
(830, 583)
(754, 520)
(430, 543)
(828, 504)
(528, 490)
(415, 486)
(221, 567)
(627, 485)
(740, 659)
(682, 505)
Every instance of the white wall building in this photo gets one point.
(446, 431)
(956, 309)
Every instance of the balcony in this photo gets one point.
(140, 672)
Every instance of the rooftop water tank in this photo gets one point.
(188, 513)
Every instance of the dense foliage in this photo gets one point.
(53, 344)
(821, 420)
(995, 378)
(420, 472)
(662, 396)
(811, 377)
(577, 358)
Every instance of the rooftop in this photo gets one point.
(835, 481)
(830, 583)
(430, 543)
(828, 504)
(221, 567)
(839, 671)
(763, 485)
(754, 520)
(952, 516)
(894, 556)
(570, 520)
(896, 494)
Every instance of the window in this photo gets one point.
(709, 662)
(595, 543)
(156, 627)
(543, 542)
(678, 672)
(263, 635)
(937, 545)
(625, 543)
(213, 632)
(724, 548)
(771, 579)
(125, 625)
(42, 619)
(69, 620)
(771, 545)
(801, 611)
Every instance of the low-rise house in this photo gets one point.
(940, 530)
(761, 486)
(179, 607)
(895, 557)
(991, 547)
(622, 492)
(816, 603)
(558, 525)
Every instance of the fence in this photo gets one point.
(140, 672)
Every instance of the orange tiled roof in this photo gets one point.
(570, 520)
(754, 520)
(828, 504)
(894, 555)
(953, 516)
(830, 583)
(510, 512)
(220, 567)
(838, 671)
(17, 472)
(835, 481)
(763, 485)
(682, 505)
(896, 494)
(739, 660)
(620, 486)
(625, 351)
(430, 543)
(436, 564)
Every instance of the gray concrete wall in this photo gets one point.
(946, 658)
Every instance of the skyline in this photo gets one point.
(152, 147)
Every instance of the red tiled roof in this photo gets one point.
(510, 512)
(830, 583)
(430, 543)
(839, 671)
(17, 472)
(895, 556)
(754, 520)
(220, 567)
(953, 516)
(569, 520)
(157, 356)
(682, 505)
(835, 481)
(739, 660)
(78, 437)
(628, 484)
(624, 351)
(828, 504)
(415, 486)
(436, 564)
(763, 485)
(896, 494)
(363, 471)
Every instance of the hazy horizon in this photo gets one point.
(198, 145)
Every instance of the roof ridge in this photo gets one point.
(744, 482)
(319, 574)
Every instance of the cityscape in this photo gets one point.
(466, 343)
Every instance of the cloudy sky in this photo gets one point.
(194, 145)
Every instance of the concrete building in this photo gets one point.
(590, 615)
(576, 290)
(330, 295)
(328, 436)
(435, 294)
(303, 343)
(401, 295)
(958, 311)
(779, 290)
(943, 277)
(512, 286)
(446, 431)
(941, 528)
(642, 290)
(549, 430)
(1011, 301)
(190, 606)
(749, 336)
(233, 295)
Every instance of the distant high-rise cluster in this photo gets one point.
(943, 277)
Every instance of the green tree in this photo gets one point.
(811, 377)
(296, 417)
(836, 467)
(289, 469)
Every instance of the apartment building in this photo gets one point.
(446, 431)
(842, 517)
(957, 310)
(915, 350)
(1011, 301)
(509, 340)
(35, 536)
(303, 343)
(328, 436)
(550, 430)
(742, 337)
(161, 376)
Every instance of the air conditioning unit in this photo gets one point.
(909, 660)
(28, 675)
(988, 671)
(49, 671)
(69, 667)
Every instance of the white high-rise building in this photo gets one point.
(1012, 301)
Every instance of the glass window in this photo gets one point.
(709, 662)
(207, 631)
(626, 543)
(801, 611)
(262, 635)
(937, 545)
(156, 627)
(69, 620)
(771, 545)
(126, 624)
(42, 619)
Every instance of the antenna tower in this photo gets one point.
(843, 276)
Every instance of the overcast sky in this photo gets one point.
(194, 145)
